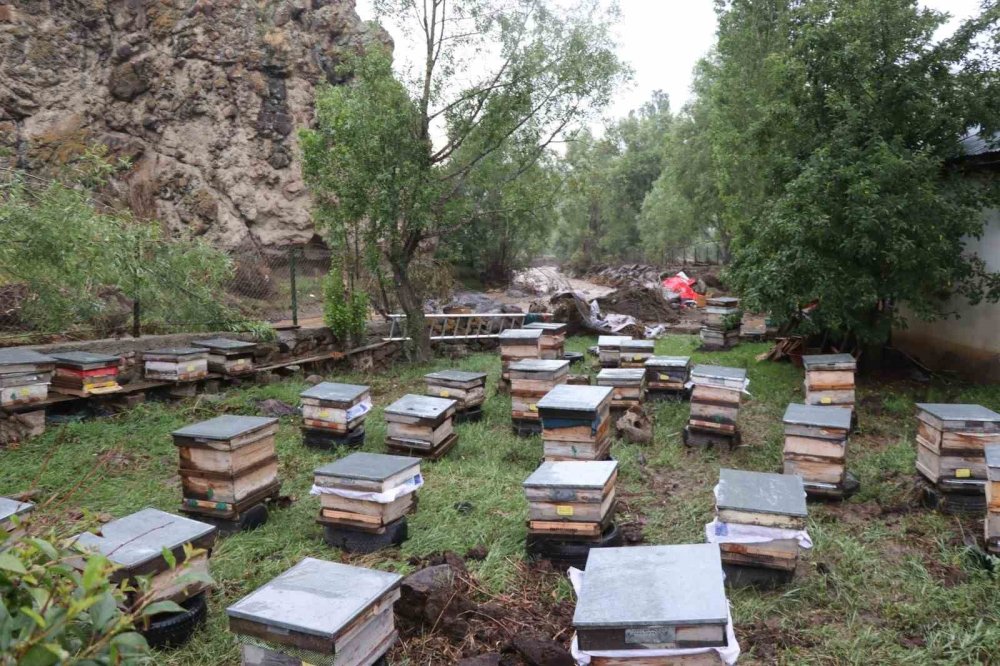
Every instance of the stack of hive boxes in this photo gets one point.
(722, 323)
(176, 364)
(715, 406)
(517, 344)
(318, 612)
(137, 544)
(420, 425)
(993, 499)
(553, 340)
(530, 380)
(468, 389)
(667, 377)
(571, 507)
(653, 606)
(760, 522)
(334, 415)
(628, 386)
(609, 350)
(13, 513)
(24, 380)
(635, 353)
(81, 373)
(576, 422)
(228, 468)
(228, 357)
(366, 494)
(816, 449)
(830, 379)
(951, 442)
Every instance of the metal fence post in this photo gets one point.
(295, 292)
(136, 305)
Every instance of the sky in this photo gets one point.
(662, 40)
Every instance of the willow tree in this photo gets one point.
(398, 153)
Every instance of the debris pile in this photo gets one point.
(630, 274)
(643, 303)
(541, 281)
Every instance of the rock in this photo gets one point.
(312, 380)
(431, 598)
(539, 650)
(490, 659)
(275, 408)
(128, 81)
(635, 426)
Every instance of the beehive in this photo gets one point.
(992, 523)
(635, 353)
(176, 364)
(951, 441)
(609, 350)
(571, 499)
(367, 491)
(667, 376)
(228, 357)
(530, 380)
(576, 422)
(628, 386)
(553, 340)
(421, 425)
(334, 414)
(467, 389)
(25, 376)
(715, 405)
(82, 373)
(816, 447)
(722, 322)
(830, 379)
(517, 344)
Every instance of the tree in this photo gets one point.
(495, 72)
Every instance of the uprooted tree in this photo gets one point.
(397, 160)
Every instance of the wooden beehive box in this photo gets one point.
(635, 353)
(763, 500)
(25, 376)
(517, 344)
(721, 313)
(667, 373)
(389, 483)
(228, 357)
(553, 340)
(9, 510)
(530, 380)
(176, 364)
(226, 462)
(715, 398)
(82, 373)
(468, 389)
(421, 425)
(951, 440)
(609, 349)
(137, 542)
(316, 610)
(830, 379)
(992, 523)
(571, 498)
(338, 407)
(576, 422)
(652, 598)
(816, 444)
(628, 385)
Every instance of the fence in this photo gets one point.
(706, 252)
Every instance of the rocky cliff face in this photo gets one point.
(203, 96)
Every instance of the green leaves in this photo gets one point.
(10, 562)
(158, 607)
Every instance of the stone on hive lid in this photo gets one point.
(20, 356)
(420, 406)
(224, 427)
(459, 376)
(634, 375)
(818, 416)
(368, 466)
(345, 394)
(761, 492)
(538, 365)
(520, 335)
(142, 536)
(647, 586)
(315, 597)
(81, 358)
(11, 507)
(668, 361)
(225, 344)
(829, 362)
(572, 474)
(970, 414)
(575, 398)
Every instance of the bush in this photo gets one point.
(344, 311)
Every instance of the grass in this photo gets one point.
(887, 581)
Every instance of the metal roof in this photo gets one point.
(819, 416)
(142, 536)
(368, 466)
(761, 492)
(224, 427)
(572, 474)
(334, 392)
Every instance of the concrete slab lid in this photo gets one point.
(639, 344)
(224, 344)
(993, 456)
(668, 362)
(652, 585)
(718, 372)
(612, 340)
(84, 358)
(575, 398)
(315, 597)
(761, 492)
(176, 351)
(11, 507)
(21, 356)
(572, 474)
(224, 427)
(550, 326)
(334, 392)
(369, 466)
(949, 412)
(456, 376)
(821, 360)
(420, 406)
(820, 416)
(140, 537)
(539, 365)
(621, 374)
(521, 334)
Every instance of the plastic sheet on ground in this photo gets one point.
(388, 497)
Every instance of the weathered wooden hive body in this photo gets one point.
(334, 414)
(367, 491)
(951, 443)
(576, 422)
(628, 386)
(553, 340)
(25, 376)
(517, 344)
(421, 425)
(82, 373)
(530, 380)
(176, 364)
(715, 405)
(609, 350)
(667, 374)
(722, 322)
(830, 379)
(992, 526)
(228, 357)
(816, 440)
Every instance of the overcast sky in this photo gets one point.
(663, 39)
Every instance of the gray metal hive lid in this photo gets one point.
(820, 416)
(141, 537)
(539, 365)
(20, 356)
(84, 358)
(334, 392)
(967, 413)
(10, 507)
(723, 301)
(652, 585)
(575, 398)
(224, 427)
(520, 335)
(668, 361)
(368, 466)
(823, 360)
(639, 344)
(761, 492)
(621, 374)
(612, 340)
(224, 344)
(549, 326)
(993, 456)
(420, 406)
(718, 372)
(315, 597)
(572, 474)
(455, 375)
(175, 351)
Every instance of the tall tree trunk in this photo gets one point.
(409, 300)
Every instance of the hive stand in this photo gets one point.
(419, 425)
(816, 440)
(576, 422)
(318, 612)
(229, 471)
(333, 415)
(231, 358)
(530, 380)
(365, 525)
(136, 544)
(468, 389)
(715, 406)
(667, 378)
